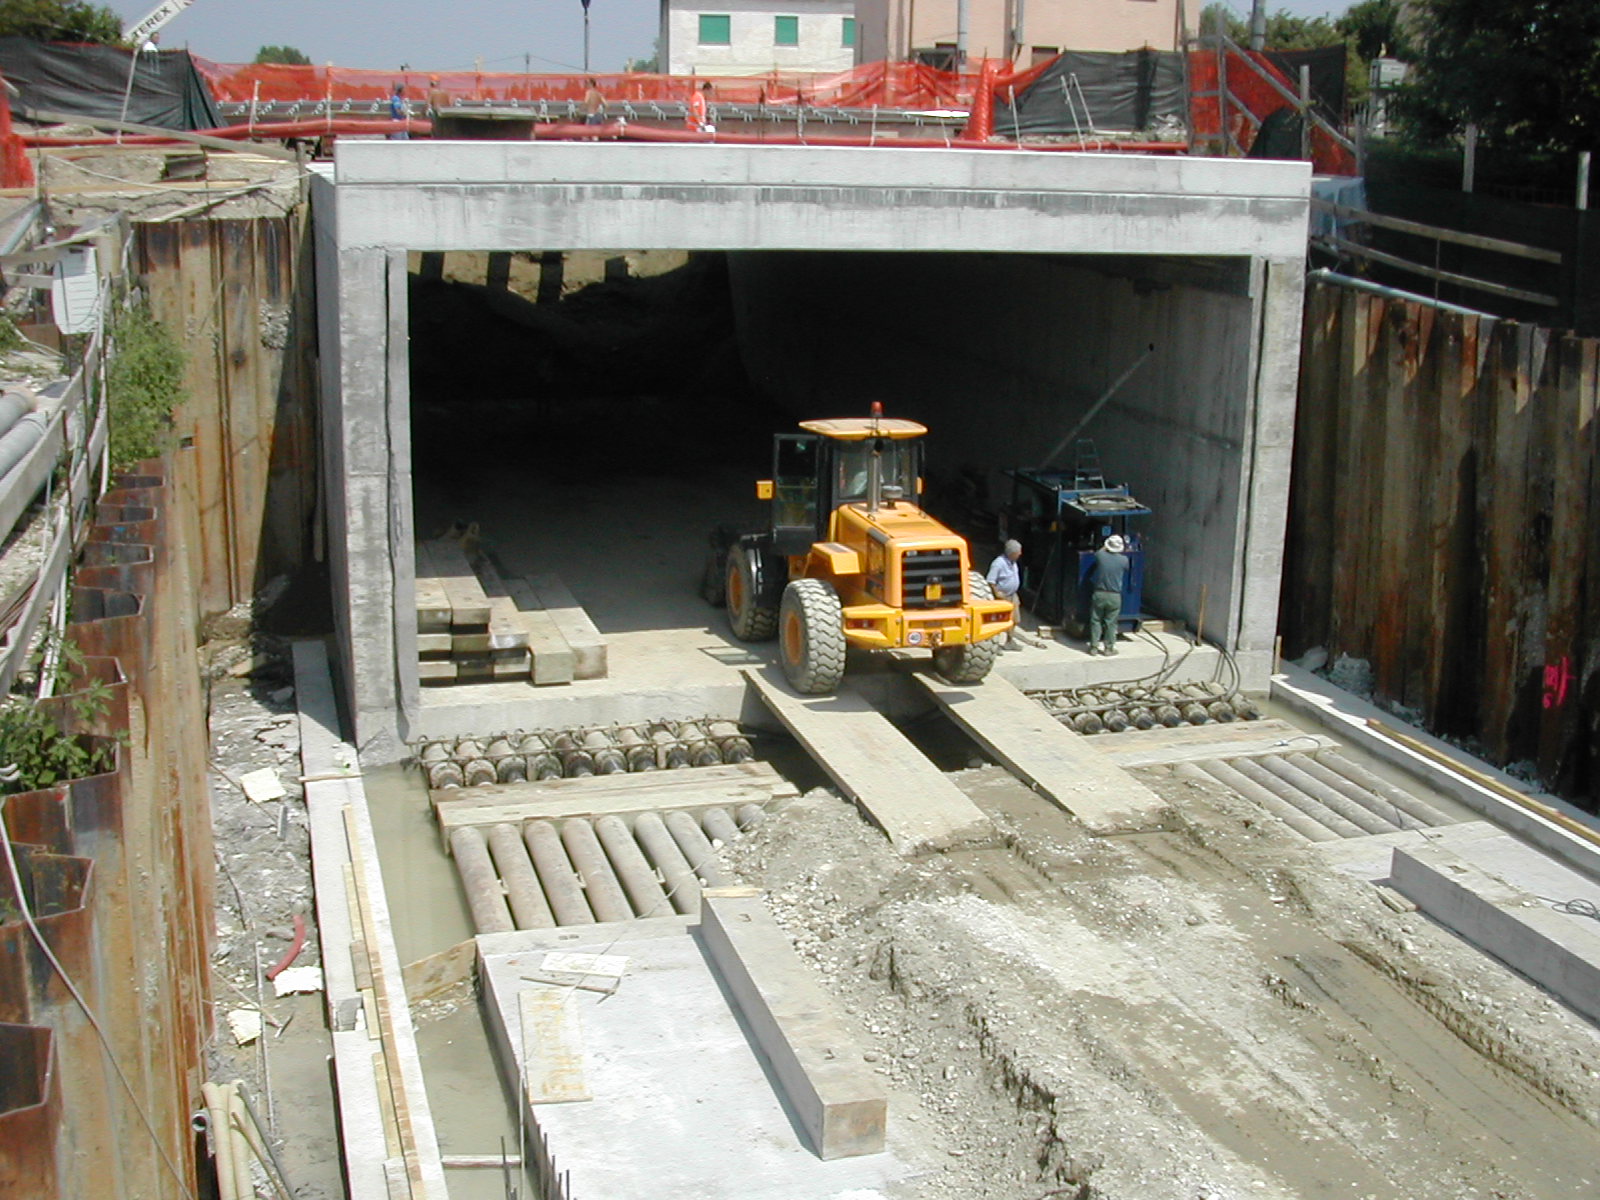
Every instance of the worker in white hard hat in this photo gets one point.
(1106, 578)
(1005, 579)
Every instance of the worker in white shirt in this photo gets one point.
(1005, 578)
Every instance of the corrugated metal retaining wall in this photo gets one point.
(1445, 522)
(118, 870)
(240, 297)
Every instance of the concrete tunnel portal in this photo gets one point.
(605, 430)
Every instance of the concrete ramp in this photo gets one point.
(873, 764)
(1054, 760)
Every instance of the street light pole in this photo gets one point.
(585, 36)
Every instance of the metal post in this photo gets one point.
(585, 36)
(963, 21)
(1469, 161)
(1258, 25)
(1583, 180)
(1305, 111)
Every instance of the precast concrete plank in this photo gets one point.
(1057, 762)
(840, 1101)
(580, 633)
(873, 764)
(601, 795)
(1558, 951)
(684, 1106)
(1197, 743)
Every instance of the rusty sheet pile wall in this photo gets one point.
(1445, 523)
(118, 870)
(239, 295)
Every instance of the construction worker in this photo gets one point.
(593, 107)
(698, 114)
(1005, 578)
(438, 98)
(399, 110)
(1106, 578)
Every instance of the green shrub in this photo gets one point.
(10, 335)
(36, 751)
(144, 384)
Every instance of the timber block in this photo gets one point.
(841, 1104)
(587, 643)
(552, 657)
(469, 607)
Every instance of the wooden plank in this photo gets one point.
(505, 664)
(576, 629)
(872, 764)
(553, 660)
(469, 607)
(601, 795)
(433, 605)
(436, 973)
(1060, 764)
(1196, 743)
(1437, 232)
(433, 643)
(436, 671)
(552, 1047)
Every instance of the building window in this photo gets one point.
(714, 29)
(785, 31)
(848, 36)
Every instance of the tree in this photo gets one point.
(1526, 72)
(287, 55)
(60, 21)
(1375, 29)
(1285, 31)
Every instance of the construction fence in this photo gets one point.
(1444, 523)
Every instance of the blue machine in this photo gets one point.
(1061, 518)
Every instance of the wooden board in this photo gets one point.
(433, 673)
(1062, 765)
(552, 1046)
(439, 972)
(576, 629)
(553, 660)
(433, 643)
(597, 795)
(873, 764)
(1196, 743)
(469, 607)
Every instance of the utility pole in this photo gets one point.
(585, 4)
(1258, 25)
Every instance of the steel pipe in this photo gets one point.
(719, 825)
(599, 880)
(683, 889)
(1217, 771)
(750, 815)
(561, 886)
(528, 904)
(1384, 798)
(485, 899)
(696, 848)
(478, 771)
(638, 877)
(1252, 770)
(1288, 771)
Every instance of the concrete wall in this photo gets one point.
(751, 49)
(1011, 28)
(1013, 354)
(394, 197)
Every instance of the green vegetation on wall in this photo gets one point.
(144, 385)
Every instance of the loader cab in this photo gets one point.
(831, 464)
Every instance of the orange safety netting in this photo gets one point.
(888, 85)
(1249, 93)
(15, 168)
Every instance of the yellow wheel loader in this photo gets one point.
(850, 559)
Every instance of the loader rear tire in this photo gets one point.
(971, 662)
(811, 645)
(749, 621)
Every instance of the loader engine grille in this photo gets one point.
(921, 568)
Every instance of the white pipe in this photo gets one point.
(222, 1143)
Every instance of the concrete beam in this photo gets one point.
(1553, 949)
(840, 1102)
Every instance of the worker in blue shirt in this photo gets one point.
(1106, 578)
(399, 110)
(1005, 578)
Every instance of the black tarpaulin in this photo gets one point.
(89, 81)
(1326, 75)
(1086, 90)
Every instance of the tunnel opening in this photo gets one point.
(600, 413)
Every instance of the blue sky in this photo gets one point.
(444, 36)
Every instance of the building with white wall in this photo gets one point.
(1021, 31)
(757, 37)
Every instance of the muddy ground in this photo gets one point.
(1197, 1014)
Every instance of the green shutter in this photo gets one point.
(848, 36)
(785, 31)
(714, 29)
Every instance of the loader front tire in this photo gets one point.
(971, 662)
(749, 621)
(811, 636)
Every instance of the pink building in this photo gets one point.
(1022, 31)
